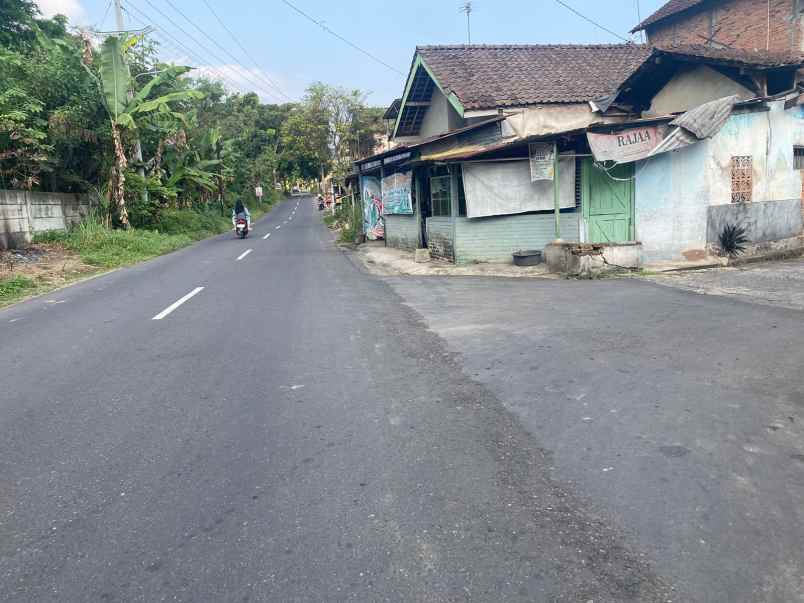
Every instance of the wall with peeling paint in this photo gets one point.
(674, 190)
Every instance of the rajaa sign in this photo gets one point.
(626, 145)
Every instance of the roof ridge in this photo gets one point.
(527, 46)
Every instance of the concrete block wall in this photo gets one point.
(402, 232)
(738, 23)
(764, 221)
(22, 214)
(440, 238)
(495, 239)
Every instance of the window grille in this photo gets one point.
(742, 179)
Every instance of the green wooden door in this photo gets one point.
(608, 202)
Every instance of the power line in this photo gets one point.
(105, 14)
(341, 38)
(595, 23)
(222, 48)
(237, 41)
(248, 76)
(180, 48)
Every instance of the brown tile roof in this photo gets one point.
(673, 7)
(488, 77)
(736, 56)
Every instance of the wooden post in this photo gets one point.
(556, 202)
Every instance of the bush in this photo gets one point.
(15, 287)
(197, 224)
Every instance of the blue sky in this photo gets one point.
(287, 50)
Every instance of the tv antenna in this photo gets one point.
(466, 7)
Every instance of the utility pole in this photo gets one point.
(118, 13)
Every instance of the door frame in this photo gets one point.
(586, 198)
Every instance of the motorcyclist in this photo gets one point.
(241, 211)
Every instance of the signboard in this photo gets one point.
(371, 165)
(625, 146)
(258, 192)
(542, 156)
(373, 223)
(396, 193)
(396, 158)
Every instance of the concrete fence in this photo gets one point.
(22, 214)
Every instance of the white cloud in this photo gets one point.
(70, 8)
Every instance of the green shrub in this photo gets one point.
(15, 287)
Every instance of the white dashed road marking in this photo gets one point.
(244, 254)
(278, 226)
(266, 236)
(176, 304)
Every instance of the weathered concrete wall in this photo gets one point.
(763, 221)
(23, 213)
(440, 117)
(592, 259)
(440, 238)
(402, 232)
(693, 88)
(674, 190)
(495, 239)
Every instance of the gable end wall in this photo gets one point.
(737, 23)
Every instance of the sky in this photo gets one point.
(276, 52)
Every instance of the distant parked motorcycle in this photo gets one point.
(241, 227)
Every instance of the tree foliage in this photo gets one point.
(72, 112)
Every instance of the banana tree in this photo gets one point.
(126, 109)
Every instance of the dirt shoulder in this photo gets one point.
(37, 269)
(386, 261)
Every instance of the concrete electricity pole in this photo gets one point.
(118, 13)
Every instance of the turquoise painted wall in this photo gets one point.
(402, 232)
(495, 239)
(674, 190)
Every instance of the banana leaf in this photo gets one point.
(115, 76)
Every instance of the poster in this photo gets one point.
(373, 223)
(541, 161)
(396, 193)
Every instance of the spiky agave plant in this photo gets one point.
(733, 240)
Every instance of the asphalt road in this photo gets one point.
(298, 430)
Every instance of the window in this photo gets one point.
(742, 179)
(798, 158)
(440, 192)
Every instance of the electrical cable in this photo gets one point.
(180, 48)
(239, 44)
(596, 24)
(341, 38)
(221, 47)
(245, 74)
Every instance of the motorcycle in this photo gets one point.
(241, 228)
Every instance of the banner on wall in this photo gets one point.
(396, 193)
(627, 145)
(373, 223)
(505, 188)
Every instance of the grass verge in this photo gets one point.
(91, 248)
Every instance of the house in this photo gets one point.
(766, 25)
(507, 148)
(745, 171)
(463, 108)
